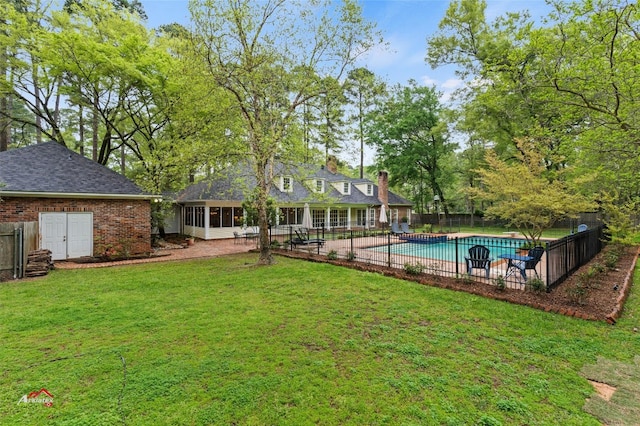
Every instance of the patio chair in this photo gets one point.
(405, 228)
(479, 259)
(536, 254)
(395, 229)
(236, 237)
(302, 238)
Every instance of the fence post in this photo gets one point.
(457, 260)
(546, 255)
(351, 231)
(290, 237)
(389, 249)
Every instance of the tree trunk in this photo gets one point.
(81, 129)
(123, 160)
(5, 123)
(38, 106)
(94, 129)
(266, 257)
(5, 106)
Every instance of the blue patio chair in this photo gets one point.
(406, 229)
(479, 259)
(395, 229)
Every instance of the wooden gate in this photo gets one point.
(16, 240)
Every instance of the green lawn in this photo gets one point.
(225, 342)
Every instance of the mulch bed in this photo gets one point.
(105, 259)
(603, 300)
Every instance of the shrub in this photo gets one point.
(332, 255)
(536, 285)
(466, 278)
(612, 255)
(597, 268)
(500, 283)
(275, 244)
(413, 269)
(577, 293)
(351, 256)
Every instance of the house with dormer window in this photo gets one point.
(212, 209)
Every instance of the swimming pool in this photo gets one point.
(447, 250)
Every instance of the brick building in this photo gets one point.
(82, 207)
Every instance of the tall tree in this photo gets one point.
(411, 140)
(330, 113)
(106, 61)
(534, 206)
(570, 84)
(260, 53)
(363, 89)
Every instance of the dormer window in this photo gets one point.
(346, 188)
(369, 189)
(286, 184)
(320, 186)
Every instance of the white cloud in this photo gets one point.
(452, 83)
(428, 81)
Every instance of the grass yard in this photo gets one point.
(223, 341)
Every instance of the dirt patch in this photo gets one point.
(618, 391)
(604, 390)
(602, 298)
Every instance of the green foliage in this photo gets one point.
(250, 209)
(536, 285)
(413, 268)
(332, 255)
(488, 421)
(271, 58)
(466, 278)
(500, 283)
(524, 195)
(567, 84)
(275, 244)
(412, 142)
(577, 293)
(351, 256)
(363, 89)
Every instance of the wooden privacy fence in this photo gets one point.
(16, 241)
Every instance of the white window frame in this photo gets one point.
(283, 184)
(319, 186)
(369, 189)
(346, 188)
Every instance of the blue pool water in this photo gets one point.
(447, 250)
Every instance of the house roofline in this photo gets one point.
(25, 194)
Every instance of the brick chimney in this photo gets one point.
(332, 164)
(383, 187)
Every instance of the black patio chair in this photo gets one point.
(479, 259)
(536, 254)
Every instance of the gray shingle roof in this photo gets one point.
(51, 168)
(231, 185)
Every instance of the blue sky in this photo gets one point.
(405, 25)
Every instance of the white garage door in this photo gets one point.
(67, 235)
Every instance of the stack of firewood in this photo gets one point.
(38, 263)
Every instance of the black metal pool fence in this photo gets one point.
(509, 261)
